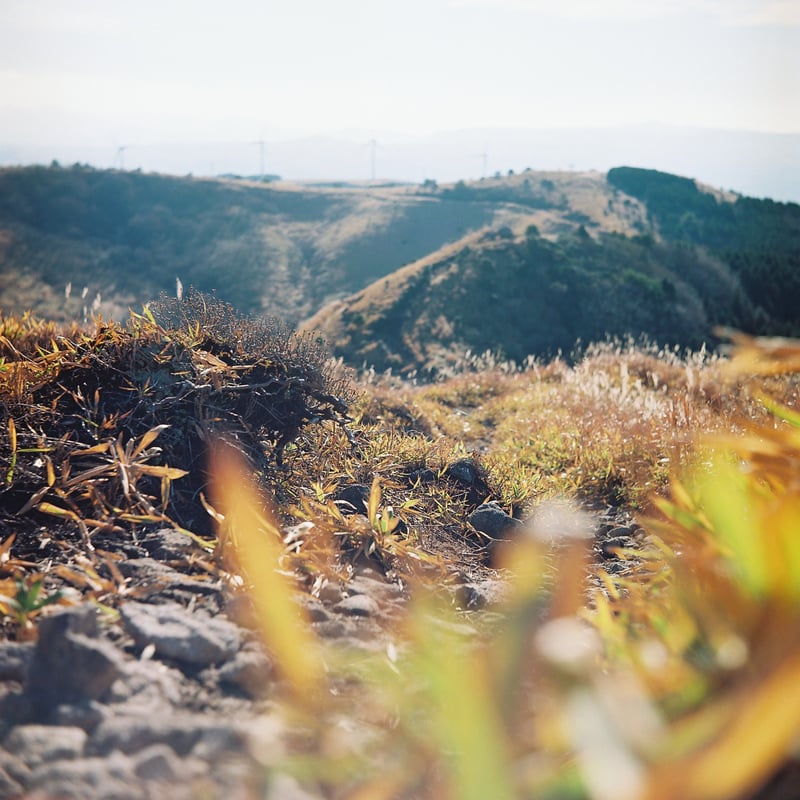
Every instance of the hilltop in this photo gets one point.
(635, 252)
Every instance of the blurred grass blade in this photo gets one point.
(256, 551)
(465, 722)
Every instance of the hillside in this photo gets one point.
(700, 259)
(277, 248)
(408, 276)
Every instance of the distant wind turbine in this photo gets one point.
(373, 146)
(485, 158)
(260, 143)
(119, 159)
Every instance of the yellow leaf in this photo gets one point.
(257, 550)
(149, 438)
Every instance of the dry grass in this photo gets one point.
(673, 680)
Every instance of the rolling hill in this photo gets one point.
(408, 276)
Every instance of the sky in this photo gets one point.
(113, 72)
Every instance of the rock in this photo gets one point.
(150, 684)
(472, 596)
(358, 605)
(352, 499)
(70, 663)
(87, 779)
(470, 477)
(149, 572)
(609, 547)
(8, 786)
(157, 763)
(41, 744)
(249, 671)
(14, 660)
(620, 531)
(15, 768)
(422, 476)
(180, 730)
(168, 544)
(86, 715)
(492, 521)
(191, 637)
(375, 587)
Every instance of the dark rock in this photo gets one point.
(352, 499)
(14, 660)
(422, 476)
(358, 605)
(191, 637)
(463, 471)
(620, 531)
(70, 663)
(40, 744)
(492, 521)
(609, 547)
(469, 477)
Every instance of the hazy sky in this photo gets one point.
(96, 71)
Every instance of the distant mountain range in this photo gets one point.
(410, 276)
(751, 163)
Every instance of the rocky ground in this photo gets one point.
(171, 694)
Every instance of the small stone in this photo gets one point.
(464, 471)
(40, 744)
(191, 637)
(374, 586)
(609, 547)
(620, 531)
(168, 544)
(249, 671)
(14, 660)
(358, 605)
(491, 520)
(70, 663)
(150, 684)
(422, 476)
(86, 715)
(157, 763)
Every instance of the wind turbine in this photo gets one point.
(119, 159)
(373, 146)
(260, 143)
(485, 158)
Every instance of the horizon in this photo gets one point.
(96, 78)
